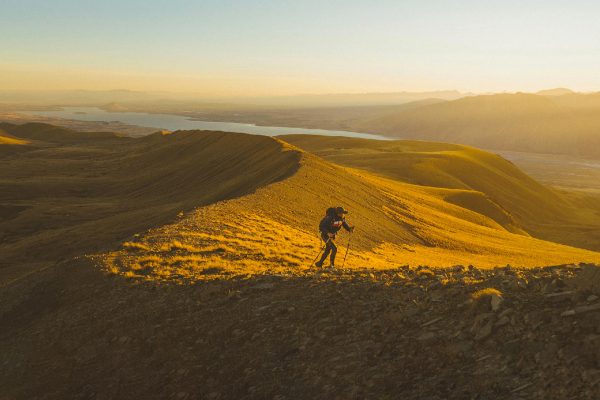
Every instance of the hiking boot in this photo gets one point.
(319, 264)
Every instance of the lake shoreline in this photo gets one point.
(173, 122)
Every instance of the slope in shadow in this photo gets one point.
(68, 192)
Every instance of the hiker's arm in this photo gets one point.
(347, 227)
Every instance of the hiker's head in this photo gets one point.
(340, 211)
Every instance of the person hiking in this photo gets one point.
(330, 225)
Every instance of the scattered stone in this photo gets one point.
(426, 336)
(433, 321)
(505, 313)
(561, 294)
(495, 301)
(522, 387)
(581, 310)
(335, 332)
(484, 331)
(263, 286)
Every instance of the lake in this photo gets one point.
(177, 122)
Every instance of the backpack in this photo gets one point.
(331, 211)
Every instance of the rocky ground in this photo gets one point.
(409, 333)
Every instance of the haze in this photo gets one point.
(241, 48)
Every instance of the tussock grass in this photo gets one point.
(484, 294)
(136, 246)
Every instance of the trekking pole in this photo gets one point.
(347, 248)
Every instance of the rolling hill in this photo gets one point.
(478, 180)
(5, 138)
(257, 201)
(67, 193)
(555, 92)
(567, 124)
(398, 223)
(183, 259)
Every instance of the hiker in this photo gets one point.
(330, 225)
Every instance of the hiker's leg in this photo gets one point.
(325, 254)
(327, 249)
(333, 253)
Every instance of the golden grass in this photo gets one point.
(273, 231)
(473, 179)
(9, 140)
(485, 293)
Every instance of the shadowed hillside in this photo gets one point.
(567, 124)
(69, 192)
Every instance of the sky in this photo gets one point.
(280, 47)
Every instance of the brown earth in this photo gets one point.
(408, 333)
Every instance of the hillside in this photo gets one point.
(109, 290)
(69, 192)
(106, 188)
(5, 138)
(397, 223)
(565, 124)
(555, 92)
(478, 180)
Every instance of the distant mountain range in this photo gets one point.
(131, 97)
(551, 123)
(555, 92)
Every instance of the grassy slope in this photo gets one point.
(259, 203)
(273, 230)
(79, 192)
(478, 180)
(521, 122)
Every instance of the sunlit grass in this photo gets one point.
(273, 231)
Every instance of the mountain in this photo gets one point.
(478, 180)
(351, 99)
(32, 99)
(70, 192)
(555, 92)
(184, 259)
(105, 188)
(8, 139)
(79, 97)
(518, 122)
(398, 223)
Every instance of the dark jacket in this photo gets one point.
(332, 223)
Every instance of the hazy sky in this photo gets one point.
(301, 46)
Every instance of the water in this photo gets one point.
(176, 122)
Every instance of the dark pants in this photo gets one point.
(330, 249)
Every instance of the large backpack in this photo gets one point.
(331, 211)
